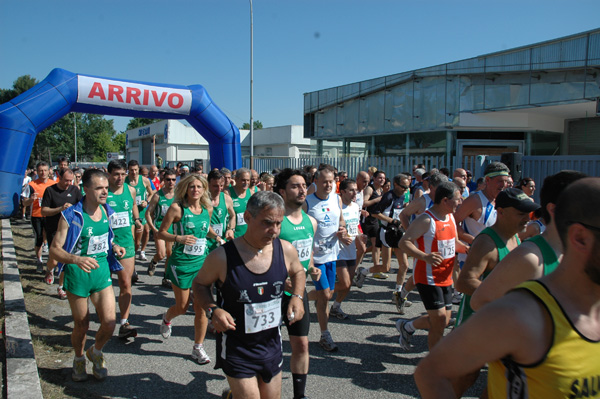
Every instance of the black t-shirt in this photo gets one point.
(390, 205)
(55, 197)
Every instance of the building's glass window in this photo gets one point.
(545, 143)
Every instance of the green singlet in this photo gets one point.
(161, 209)
(122, 220)
(218, 221)
(92, 243)
(465, 311)
(186, 260)
(140, 195)
(301, 237)
(239, 207)
(548, 255)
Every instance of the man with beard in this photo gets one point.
(299, 229)
(541, 340)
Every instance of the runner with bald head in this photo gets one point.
(541, 340)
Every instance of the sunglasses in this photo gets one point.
(170, 179)
(403, 186)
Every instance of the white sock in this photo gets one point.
(403, 293)
(123, 322)
(80, 358)
(197, 346)
(364, 272)
(96, 351)
(336, 304)
(399, 287)
(409, 327)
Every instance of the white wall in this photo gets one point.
(512, 120)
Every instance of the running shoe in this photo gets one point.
(126, 331)
(45, 248)
(381, 276)
(99, 369)
(165, 328)
(166, 283)
(39, 266)
(451, 323)
(338, 312)
(62, 294)
(134, 278)
(226, 394)
(360, 277)
(49, 278)
(152, 268)
(327, 343)
(142, 255)
(79, 373)
(404, 339)
(457, 297)
(199, 354)
(401, 303)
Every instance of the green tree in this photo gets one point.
(98, 135)
(20, 86)
(119, 142)
(257, 125)
(134, 123)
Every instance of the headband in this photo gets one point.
(499, 173)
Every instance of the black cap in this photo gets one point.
(515, 198)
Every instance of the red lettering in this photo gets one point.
(179, 98)
(97, 90)
(157, 101)
(115, 91)
(133, 94)
(146, 92)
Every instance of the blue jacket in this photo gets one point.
(74, 217)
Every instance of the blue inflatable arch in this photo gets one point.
(62, 92)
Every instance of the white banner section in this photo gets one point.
(135, 96)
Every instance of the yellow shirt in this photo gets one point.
(570, 369)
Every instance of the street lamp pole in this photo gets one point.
(75, 130)
(251, 88)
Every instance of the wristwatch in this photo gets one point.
(298, 296)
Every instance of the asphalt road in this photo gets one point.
(369, 362)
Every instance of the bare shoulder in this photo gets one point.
(468, 206)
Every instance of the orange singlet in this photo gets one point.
(441, 237)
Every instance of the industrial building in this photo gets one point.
(540, 99)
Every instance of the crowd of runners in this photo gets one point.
(240, 247)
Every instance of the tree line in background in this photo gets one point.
(96, 135)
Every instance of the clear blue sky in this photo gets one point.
(299, 46)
